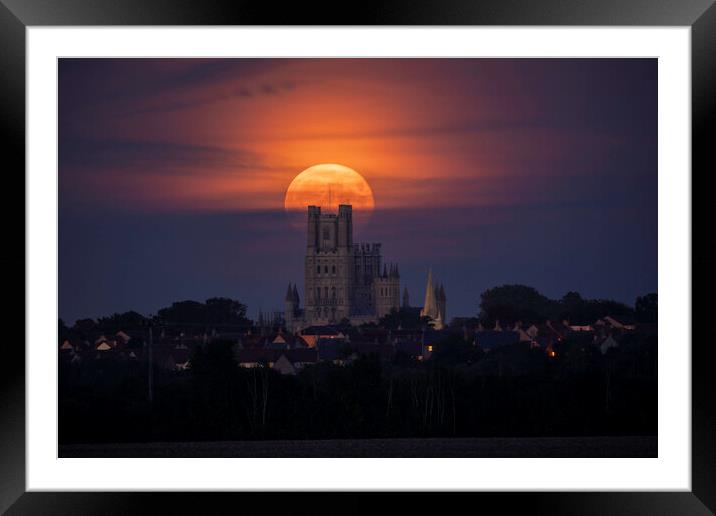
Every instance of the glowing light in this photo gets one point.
(327, 185)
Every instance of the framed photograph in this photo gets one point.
(445, 248)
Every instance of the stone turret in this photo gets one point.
(292, 307)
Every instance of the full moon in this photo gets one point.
(327, 185)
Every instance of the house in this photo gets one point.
(284, 366)
(256, 357)
(104, 345)
(524, 336)
(622, 324)
(281, 341)
(532, 331)
(608, 343)
(429, 339)
(122, 337)
(311, 334)
(300, 358)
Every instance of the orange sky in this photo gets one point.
(417, 130)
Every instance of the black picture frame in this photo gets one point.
(17, 15)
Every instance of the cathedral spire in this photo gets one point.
(289, 294)
(434, 302)
(430, 304)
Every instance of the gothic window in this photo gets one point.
(325, 291)
(333, 292)
(325, 269)
(318, 292)
(326, 234)
(318, 269)
(334, 269)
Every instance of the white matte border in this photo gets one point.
(670, 471)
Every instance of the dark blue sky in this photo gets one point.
(172, 175)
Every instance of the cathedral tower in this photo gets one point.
(386, 291)
(329, 265)
(343, 280)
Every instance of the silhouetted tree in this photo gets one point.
(404, 319)
(123, 321)
(193, 316)
(510, 303)
(84, 328)
(646, 309)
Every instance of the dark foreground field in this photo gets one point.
(631, 446)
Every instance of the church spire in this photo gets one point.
(289, 294)
(433, 302)
(430, 304)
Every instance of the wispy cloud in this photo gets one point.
(142, 156)
(242, 92)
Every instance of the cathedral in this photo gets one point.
(343, 280)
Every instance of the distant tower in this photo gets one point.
(296, 299)
(329, 266)
(387, 291)
(291, 311)
(434, 306)
(406, 298)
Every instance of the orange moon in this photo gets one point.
(327, 185)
